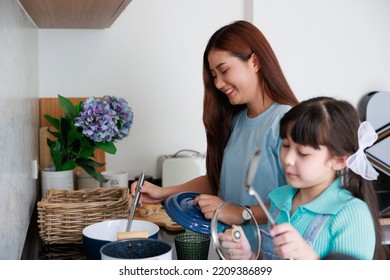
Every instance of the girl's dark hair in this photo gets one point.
(241, 39)
(333, 123)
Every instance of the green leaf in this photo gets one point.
(86, 152)
(50, 142)
(56, 154)
(79, 107)
(86, 148)
(68, 107)
(65, 132)
(53, 121)
(68, 165)
(108, 147)
(94, 174)
(56, 134)
(73, 139)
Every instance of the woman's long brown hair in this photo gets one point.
(241, 39)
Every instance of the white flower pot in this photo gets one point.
(85, 181)
(61, 180)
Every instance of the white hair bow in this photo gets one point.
(358, 162)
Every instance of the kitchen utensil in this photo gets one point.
(235, 234)
(249, 227)
(99, 234)
(252, 169)
(135, 201)
(181, 209)
(249, 180)
(129, 235)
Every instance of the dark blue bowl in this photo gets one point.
(141, 248)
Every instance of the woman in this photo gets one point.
(245, 95)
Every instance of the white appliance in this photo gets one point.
(181, 167)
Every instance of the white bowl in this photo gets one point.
(99, 234)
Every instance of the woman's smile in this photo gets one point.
(230, 92)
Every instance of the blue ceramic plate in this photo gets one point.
(181, 209)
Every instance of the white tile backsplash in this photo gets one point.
(19, 94)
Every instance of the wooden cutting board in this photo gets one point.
(161, 219)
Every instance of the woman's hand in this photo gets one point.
(150, 193)
(207, 203)
(229, 214)
(153, 194)
(236, 249)
(289, 244)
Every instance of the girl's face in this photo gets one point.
(308, 168)
(235, 78)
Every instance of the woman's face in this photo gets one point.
(235, 78)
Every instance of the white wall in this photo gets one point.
(335, 48)
(19, 126)
(152, 56)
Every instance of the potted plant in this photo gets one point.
(92, 124)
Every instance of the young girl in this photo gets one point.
(329, 205)
(245, 95)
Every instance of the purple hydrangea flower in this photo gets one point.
(125, 114)
(105, 120)
(98, 120)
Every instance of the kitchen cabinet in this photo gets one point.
(93, 14)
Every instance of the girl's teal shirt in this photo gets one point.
(349, 230)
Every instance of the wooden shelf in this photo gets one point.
(90, 14)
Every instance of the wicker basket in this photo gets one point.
(62, 215)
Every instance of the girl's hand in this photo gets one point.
(208, 203)
(150, 193)
(289, 244)
(234, 250)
